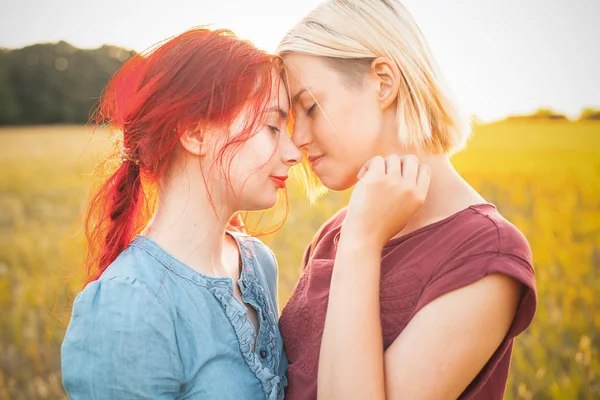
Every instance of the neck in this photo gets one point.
(448, 192)
(187, 225)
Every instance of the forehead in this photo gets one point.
(306, 71)
(279, 93)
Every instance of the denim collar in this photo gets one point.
(247, 273)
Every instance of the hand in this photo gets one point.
(389, 192)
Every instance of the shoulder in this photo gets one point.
(135, 268)
(263, 266)
(132, 281)
(479, 242)
(125, 297)
(485, 257)
(264, 260)
(117, 309)
(482, 229)
(118, 323)
(333, 223)
(473, 244)
(253, 247)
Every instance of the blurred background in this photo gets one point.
(526, 70)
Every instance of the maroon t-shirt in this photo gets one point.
(415, 269)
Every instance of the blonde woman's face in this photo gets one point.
(339, 125)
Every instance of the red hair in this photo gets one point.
(199, 77)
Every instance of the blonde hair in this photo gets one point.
(356, 30)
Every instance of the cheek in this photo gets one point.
(361, 116)
(255, 155)
(354, 129)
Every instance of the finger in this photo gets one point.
(375, 166)
(423, 179)
(393, 165)
(362, 171)
(410, 167)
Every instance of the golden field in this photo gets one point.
(544, 176)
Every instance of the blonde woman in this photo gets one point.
(418, 288)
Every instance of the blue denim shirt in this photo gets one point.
(153, 328)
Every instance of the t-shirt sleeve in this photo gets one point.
(307, 254)
(475, 267)
(333, 223)
(120, 344)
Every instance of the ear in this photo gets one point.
(388, 79)
(192, 140)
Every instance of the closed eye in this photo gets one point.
(274, 129)
(310, 110)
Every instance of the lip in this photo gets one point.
(314, 160)
(279, 180)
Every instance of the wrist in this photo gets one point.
(361, 231)
(357, 261)
(360, 240)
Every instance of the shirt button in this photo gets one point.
(263, 353)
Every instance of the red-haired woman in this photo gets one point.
(178, 303)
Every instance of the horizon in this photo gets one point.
(500, 60)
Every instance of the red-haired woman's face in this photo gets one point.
(339, 125)
(258, 169)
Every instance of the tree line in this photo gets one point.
(57, 83)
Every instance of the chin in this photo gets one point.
(267, 200)
(338, 182)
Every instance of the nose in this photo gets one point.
(290, 154)
(301, 135)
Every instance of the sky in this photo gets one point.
(500, 57)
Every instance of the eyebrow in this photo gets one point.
(281, 112)
(297, 95)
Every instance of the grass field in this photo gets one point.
(544, 176)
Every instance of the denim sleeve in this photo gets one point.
(120, 344)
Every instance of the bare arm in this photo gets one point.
(351, 359)
(436, 356)
(444, 346)
(450, 340)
